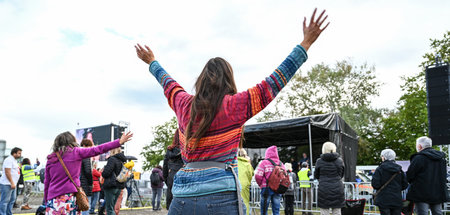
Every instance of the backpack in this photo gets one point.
(278, 180)
(123, 175)
(154, 179)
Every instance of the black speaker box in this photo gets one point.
(438, 103)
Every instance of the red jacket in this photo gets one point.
(96, 177)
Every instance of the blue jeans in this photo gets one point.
(93, 201)
(156, 195)
(129, 191)
(111, 196)
(217, 203)
(86, 212)
(273, 198)
(422, 208)
(8, 197)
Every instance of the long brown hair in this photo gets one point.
(175, 141)
(215, 81)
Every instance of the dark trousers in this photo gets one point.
(390, 211)
(422, 208)
(169, 197)
(111, 196)
(289, 204)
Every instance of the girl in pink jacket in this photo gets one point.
(262, 173)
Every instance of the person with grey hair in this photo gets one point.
(329, 171)
(389, 180)
(427, 176)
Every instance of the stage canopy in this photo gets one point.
(308, 130)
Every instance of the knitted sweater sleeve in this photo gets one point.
(259, 173)
(244, 105)
(175, 94)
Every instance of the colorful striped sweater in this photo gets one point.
(221, 141)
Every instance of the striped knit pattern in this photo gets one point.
(221, 141)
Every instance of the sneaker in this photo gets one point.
(25, 207)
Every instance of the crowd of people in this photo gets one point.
(425, 181)
(206, 170)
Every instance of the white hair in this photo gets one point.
(288, 166)
(388, 154)
(242, 153)
(328, 147)
(424, 141)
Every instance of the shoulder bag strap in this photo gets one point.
(389, 181)
(274, 165)
(65, 168)
(273, 162)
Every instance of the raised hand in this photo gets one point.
(126, 137)
(146, 54)
(313, 30)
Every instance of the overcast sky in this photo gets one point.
(68, 65)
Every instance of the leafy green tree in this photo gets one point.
(438, 46)
(330, 89)
(401, 127)
(344, 88)
(155, 151)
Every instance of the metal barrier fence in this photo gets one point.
(302, 203)
(308, 203)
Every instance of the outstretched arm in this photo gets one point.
(174, 93)
(255, 99)
(102, 148)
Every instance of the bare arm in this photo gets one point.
(9, 177)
